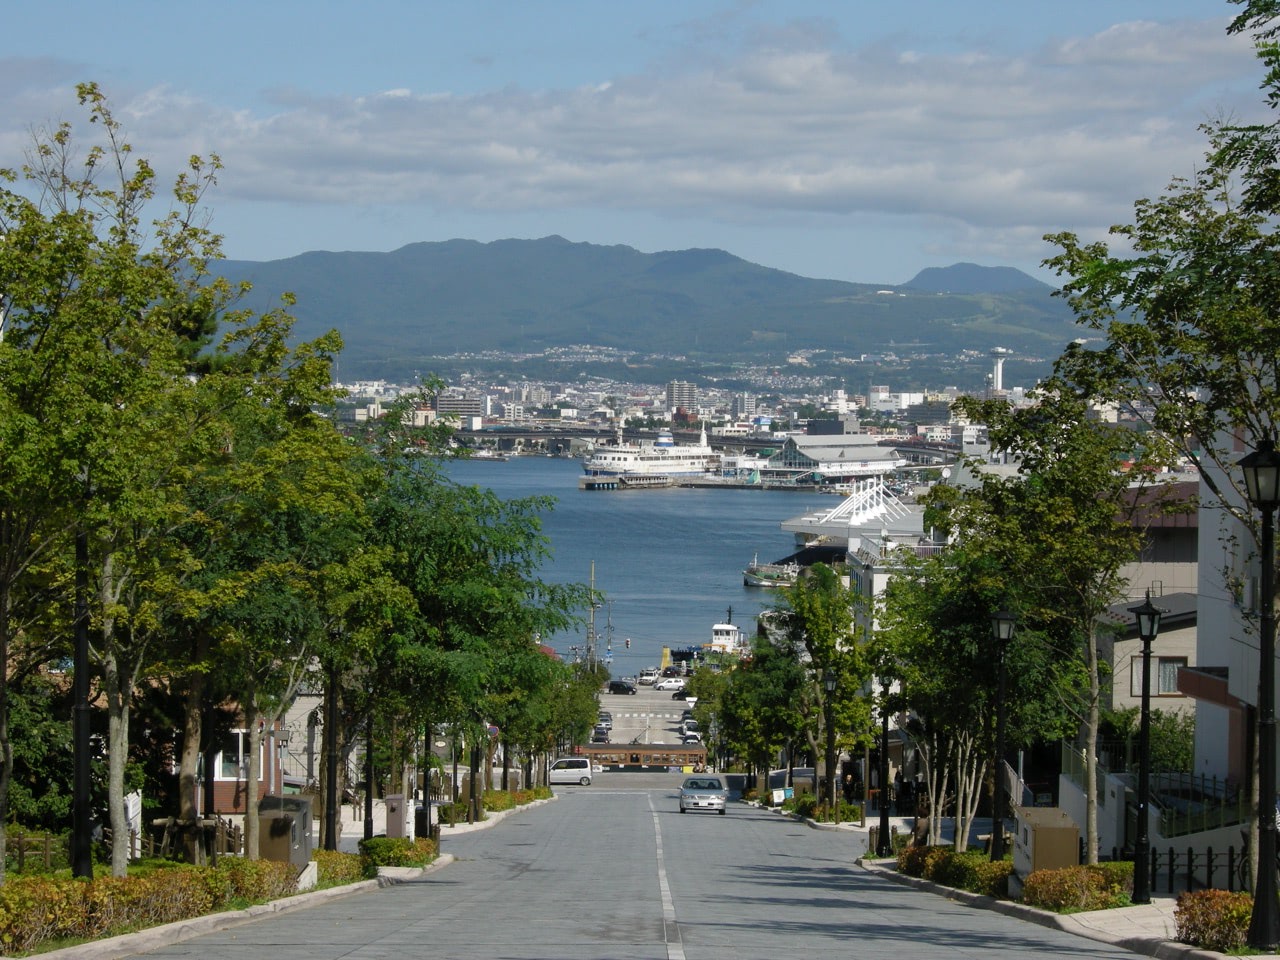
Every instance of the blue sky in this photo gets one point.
(851, 140)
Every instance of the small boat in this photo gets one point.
(770, 574)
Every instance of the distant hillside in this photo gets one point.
(964, 278)
(398, 310)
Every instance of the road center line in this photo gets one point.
(670, 926)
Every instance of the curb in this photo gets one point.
(1067, 923)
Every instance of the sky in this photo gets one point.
(834, 139)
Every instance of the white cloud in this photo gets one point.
(993, 149)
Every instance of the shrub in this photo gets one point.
(970, 870)
(1072, 889)
(498, 800)
(256, 881)
(334, 868)
(542, 793)
(1213, 919)
(396, 852)
(456, 812)
(915, 861)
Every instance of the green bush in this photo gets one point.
(38, 910)
(971, 870)
(915, 861)
(396, 852)
(1213, 919)
(452, 813)
(542, 793)
(256, 881)
(334, 868)
(497, 800)
(1072, 889)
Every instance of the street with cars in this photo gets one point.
(613, 870)
(645, 714)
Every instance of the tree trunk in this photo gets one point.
(253, 776)
(189, 759)
(118, 693)
(1092, 722)
(6, 746)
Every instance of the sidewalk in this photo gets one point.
(1148, 929)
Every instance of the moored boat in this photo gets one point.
(770, 574)
(662, 457)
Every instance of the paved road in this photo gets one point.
(614, 871)
(647, 716)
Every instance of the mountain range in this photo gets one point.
(400, 311)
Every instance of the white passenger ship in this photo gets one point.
(662, 457)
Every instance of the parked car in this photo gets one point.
(669, 683)
(689, 725)
(571, 770)
(703, 793)
(605, 719)
(693, 736)
(621, 686)
(672, 671)
(600, 734)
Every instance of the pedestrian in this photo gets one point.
(848, 788)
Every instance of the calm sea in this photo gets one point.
(668, 562)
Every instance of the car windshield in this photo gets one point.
(695, 783)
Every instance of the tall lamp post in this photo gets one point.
(884, 843)
(1148, 615)
(1002, 625)
(829, 685)
(1262, 483)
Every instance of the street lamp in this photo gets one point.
(829, 684)
(1002, 625)
(1262, 483)
(1148, 615)
(884, 844)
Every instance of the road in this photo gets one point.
(613, 870)
(647, 716)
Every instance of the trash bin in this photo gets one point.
(285, 829)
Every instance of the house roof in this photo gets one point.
(1176, 610)
(1166, 504)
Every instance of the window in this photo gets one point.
(1164, 676)
(233, 761)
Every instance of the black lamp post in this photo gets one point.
(1002, 625)
(1148, 615)
(829, 685)
(1262, 483)
(884, 844)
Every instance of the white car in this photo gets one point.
(669, 683)
(649, 676)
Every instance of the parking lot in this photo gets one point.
(647, 716)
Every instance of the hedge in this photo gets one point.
(1098, 886)
(971, 870)
(1213, 919)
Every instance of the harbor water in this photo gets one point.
(668, 562)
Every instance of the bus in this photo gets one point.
(646, 757)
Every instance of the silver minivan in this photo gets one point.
(571, 770)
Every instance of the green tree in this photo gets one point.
(817, 615)
(1056, 536)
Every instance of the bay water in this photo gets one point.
(668, 562)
